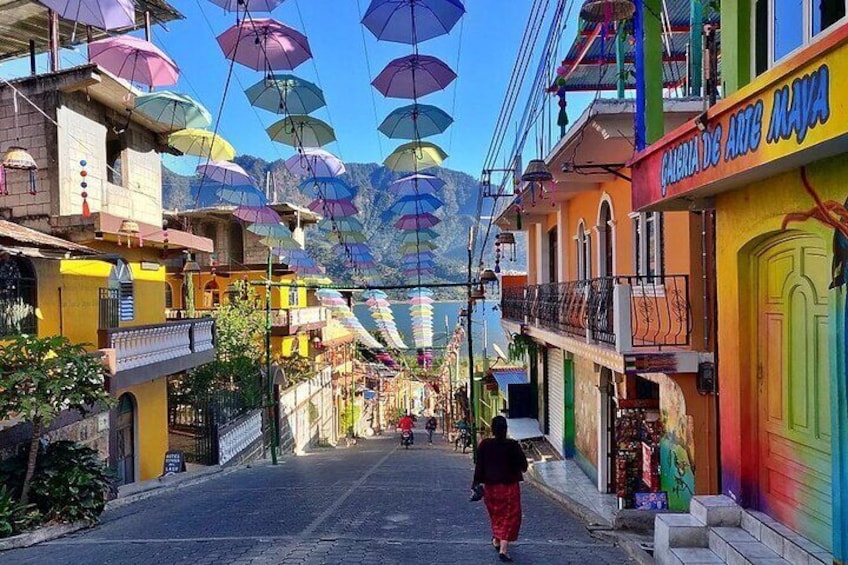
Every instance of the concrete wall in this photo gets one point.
(306, 414)
(151, 426)
(586, 413)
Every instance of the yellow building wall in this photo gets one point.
(151, 425)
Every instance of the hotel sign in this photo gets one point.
(790, 109)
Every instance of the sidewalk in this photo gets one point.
(566, 482)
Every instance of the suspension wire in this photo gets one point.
(370, 90)
(456, 83)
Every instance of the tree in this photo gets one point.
(40, 378)
(239, 325)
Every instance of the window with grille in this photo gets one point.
(17, 297)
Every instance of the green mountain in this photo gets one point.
(373, 199)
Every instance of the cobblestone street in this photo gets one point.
(370, 504)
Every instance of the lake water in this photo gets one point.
(485, 320)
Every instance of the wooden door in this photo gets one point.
(125, 440)
(793, 385)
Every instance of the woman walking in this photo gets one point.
(500, 464)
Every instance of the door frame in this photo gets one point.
(114, 435)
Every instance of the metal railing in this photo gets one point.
(656, 307)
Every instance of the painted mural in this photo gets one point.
(677, 446)
(586, 412)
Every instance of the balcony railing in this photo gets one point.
(624, 311)
(311, 316)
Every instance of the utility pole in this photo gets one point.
(272, 419)
(471, 408)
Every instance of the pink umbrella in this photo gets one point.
(413, 76)
(265, 44)
(334, 208)
(421, 300)
(105, 14)
(134, 59)
(224, 172)
(257, 215)
(248, 5)
(416, 221)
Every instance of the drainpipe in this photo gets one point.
(696, 20)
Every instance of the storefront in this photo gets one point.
(771, 161)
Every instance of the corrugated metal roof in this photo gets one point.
(509, 376)
(18, 235)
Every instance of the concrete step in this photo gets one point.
(678, 530)
(785, 542)
(715, 510)
(692, 555)
(736, 546)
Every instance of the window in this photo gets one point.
(17, 297)
(169, 296)
(114, 158)
(605, 240)
(584, 253)
(782, 26)
(294, 296)
(236, 244)
(121, 280)
(648, 244)
(211, 295)
(553, 256)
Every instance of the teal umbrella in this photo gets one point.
(286, 94)
(415, 121)
(176, 110)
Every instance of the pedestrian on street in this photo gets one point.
(430, 426)
(500, 466)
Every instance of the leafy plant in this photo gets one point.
(41, 377)
(520, 347)
(296, 368)
(14, 516)
(239, 325)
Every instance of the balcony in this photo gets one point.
(625, 313)
(143, 353)
(294, 320)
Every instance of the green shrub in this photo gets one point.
(14, 516)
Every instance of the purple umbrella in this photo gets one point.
(411, 21)
(416, 184)
(315, 163)
(413, 76)
(224, 172)
(257, 214)
(248, 5)
(134, 59)
(105, 14)
(265, 44)
(334, 208)
(416, 221)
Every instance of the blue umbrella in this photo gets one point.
(175, 110)
(415, 121)
(416, 205)
(286, 94)
(411, 21)
(328, 188)
(241, 195)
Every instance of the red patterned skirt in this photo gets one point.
(504, 505)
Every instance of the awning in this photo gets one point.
(16, 239)
(506, 377)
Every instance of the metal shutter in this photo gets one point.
(127, 302)
(556, 398)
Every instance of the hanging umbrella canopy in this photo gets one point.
(420, 291)
(103, 14)
(413, 76)
(248, 5)
(416, 184)
(421, 300)
(265, 44)
(416, 205)
(416, 271)
(286, 94)
(418, 236)
(415, 156)
(202, 143)
(134, 59)
(331, 188)
(280, 244)
(415, 121)
(301, 131)
(257, 214)
(342, 224)
(226, 173)
(411, 21)
(421, 245)
(276, 232)
(419, 256)
(241, 195)
(176, 110)
(334, 208)
(373, 293)
(416, 221)
(351, 237)
(315, 163)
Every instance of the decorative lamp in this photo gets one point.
(488, 277)
(606, 11)
(191, 265)
(537, 171)
(17, 158)
(130, 229)
(478, 293)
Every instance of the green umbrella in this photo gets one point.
(286, 94)
(176, 110)
(301, 131)
(415, 121)
(415, 156)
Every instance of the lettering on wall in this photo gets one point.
(797, 108)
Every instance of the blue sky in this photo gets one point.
(491, 32)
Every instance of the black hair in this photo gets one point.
(499, 427)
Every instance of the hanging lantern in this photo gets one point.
(86, 210)
(607, 11)
(18, 159)
(488, 277)
(192, 267)
(537, 171)
(130, 229)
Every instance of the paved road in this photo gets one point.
(370, 504)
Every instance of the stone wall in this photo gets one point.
(91, 431)
(306, 414)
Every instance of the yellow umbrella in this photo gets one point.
(199, 142)
(415, 156)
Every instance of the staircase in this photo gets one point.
(717, 530)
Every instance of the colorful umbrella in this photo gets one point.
(418, 236)
(342, 224)
(414, 271)
(276, 232)
(415, 156)
(416, 184)
(315, 163)
(413, 76)
(248, 5)
(416, 221)
(224, 172)
(415, 121)
(281, 243)
(257, 214)
(202, 143)
(286, 94)
(301, 131)
(331, 188)
(415, 205)
(176, 110)
(411, 21)
(265, 45)
(241, 195)
(417, 246)
(134, 59)
(104, 14)
(334, 208)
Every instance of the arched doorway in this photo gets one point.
(791, 383)
(605, 265)
(125, 439)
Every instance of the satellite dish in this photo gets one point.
(500, 352)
